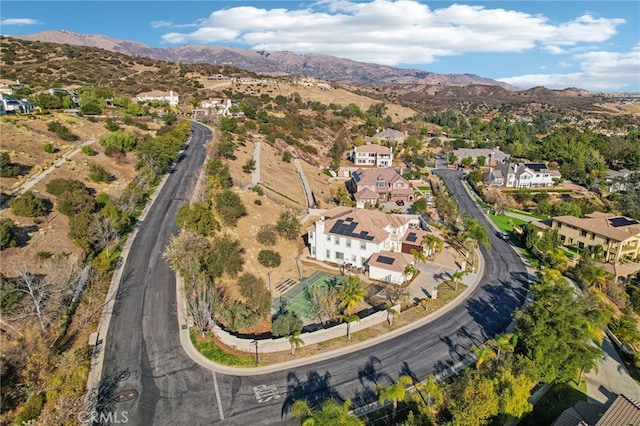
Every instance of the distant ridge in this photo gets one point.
(323, 67)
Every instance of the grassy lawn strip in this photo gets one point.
(505, 222)
(560, 397)
(281, 194)
(211, 351)
(531, 215)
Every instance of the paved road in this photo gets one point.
(171, 389)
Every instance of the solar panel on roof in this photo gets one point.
(617, 222)
(386, 260)
(413, 237)
(356, 177)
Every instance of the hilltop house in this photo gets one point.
(492, 156)
(384, 184)
(171, 97)
(616, 180)
(527, 175)
(389, 136)
(360, 237)
(372, 155)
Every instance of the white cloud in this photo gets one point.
(599, 71)
(393, 32)
(19, 21)
(160, 24)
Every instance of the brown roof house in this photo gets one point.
(386, 183)
(349, 235)
(389, 267)
(619, 236)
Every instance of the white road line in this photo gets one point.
(218, 400)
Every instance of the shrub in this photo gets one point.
(258, 190)
(61, 131)
(266, 235)
(257, 202)
(88, 150)
(7, 168)
(288, 226)
(111, 125)
(28, 205)
(31, 410)
(48, 147)
(74, 202)
(60, 185)
(44, 254)
(8, 237)
(269, 258)
(97, 173)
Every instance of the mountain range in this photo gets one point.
(323, 67)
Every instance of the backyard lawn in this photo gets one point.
(505, 223)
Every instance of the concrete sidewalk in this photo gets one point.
(610, 379)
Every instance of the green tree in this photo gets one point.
(483, 353)
(197, 217)
(394, 393)
(269, 258)
(433, 243)
(556, 328)
(249, 165)
(97, 173)
(286, 324)
(224, 256)
(229, 207)
(257, 297)
(351, 291)
(331, 412)
(419, 206)
(513, 391)
(349, 319)
(286, 156)
(29, 205)
(8, 235)
(121, 140)
(473, 399)
(288, 225)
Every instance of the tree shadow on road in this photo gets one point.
(316, 389)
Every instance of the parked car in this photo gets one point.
(400, 203)
(504, 235)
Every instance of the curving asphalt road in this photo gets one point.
(148, 376)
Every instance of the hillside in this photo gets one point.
(323, 67)
(45, 65)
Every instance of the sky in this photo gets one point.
(592, 45)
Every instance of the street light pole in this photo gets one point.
(255, 343)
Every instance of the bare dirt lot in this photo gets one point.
(24, 137)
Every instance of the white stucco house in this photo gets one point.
(378, 242)
(389, 267)
(526, 175)
(171, 97)
(349, 235)
(372, 155)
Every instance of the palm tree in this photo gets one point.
(331, 412)
(394, 393)
(351, 291)
(432, 242)
(476, 234)
(409, 271)
(391, 313)
(418, 255)
(456, 279)
(504, 343)
(295, 341)
(349, 319)
(433, 391)
(483, 353)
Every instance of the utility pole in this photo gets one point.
(254, 342)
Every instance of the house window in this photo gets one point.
(328, 254)
(562, 238)
(354, 258)
(363, 260)
(363, 245)
(381, 184)
(399, 185)
(328, 238)
(347, 242)
(313, 251)
(311, 235)
(337, 241)
(339, 256)
(583, 233)
(581, 245)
